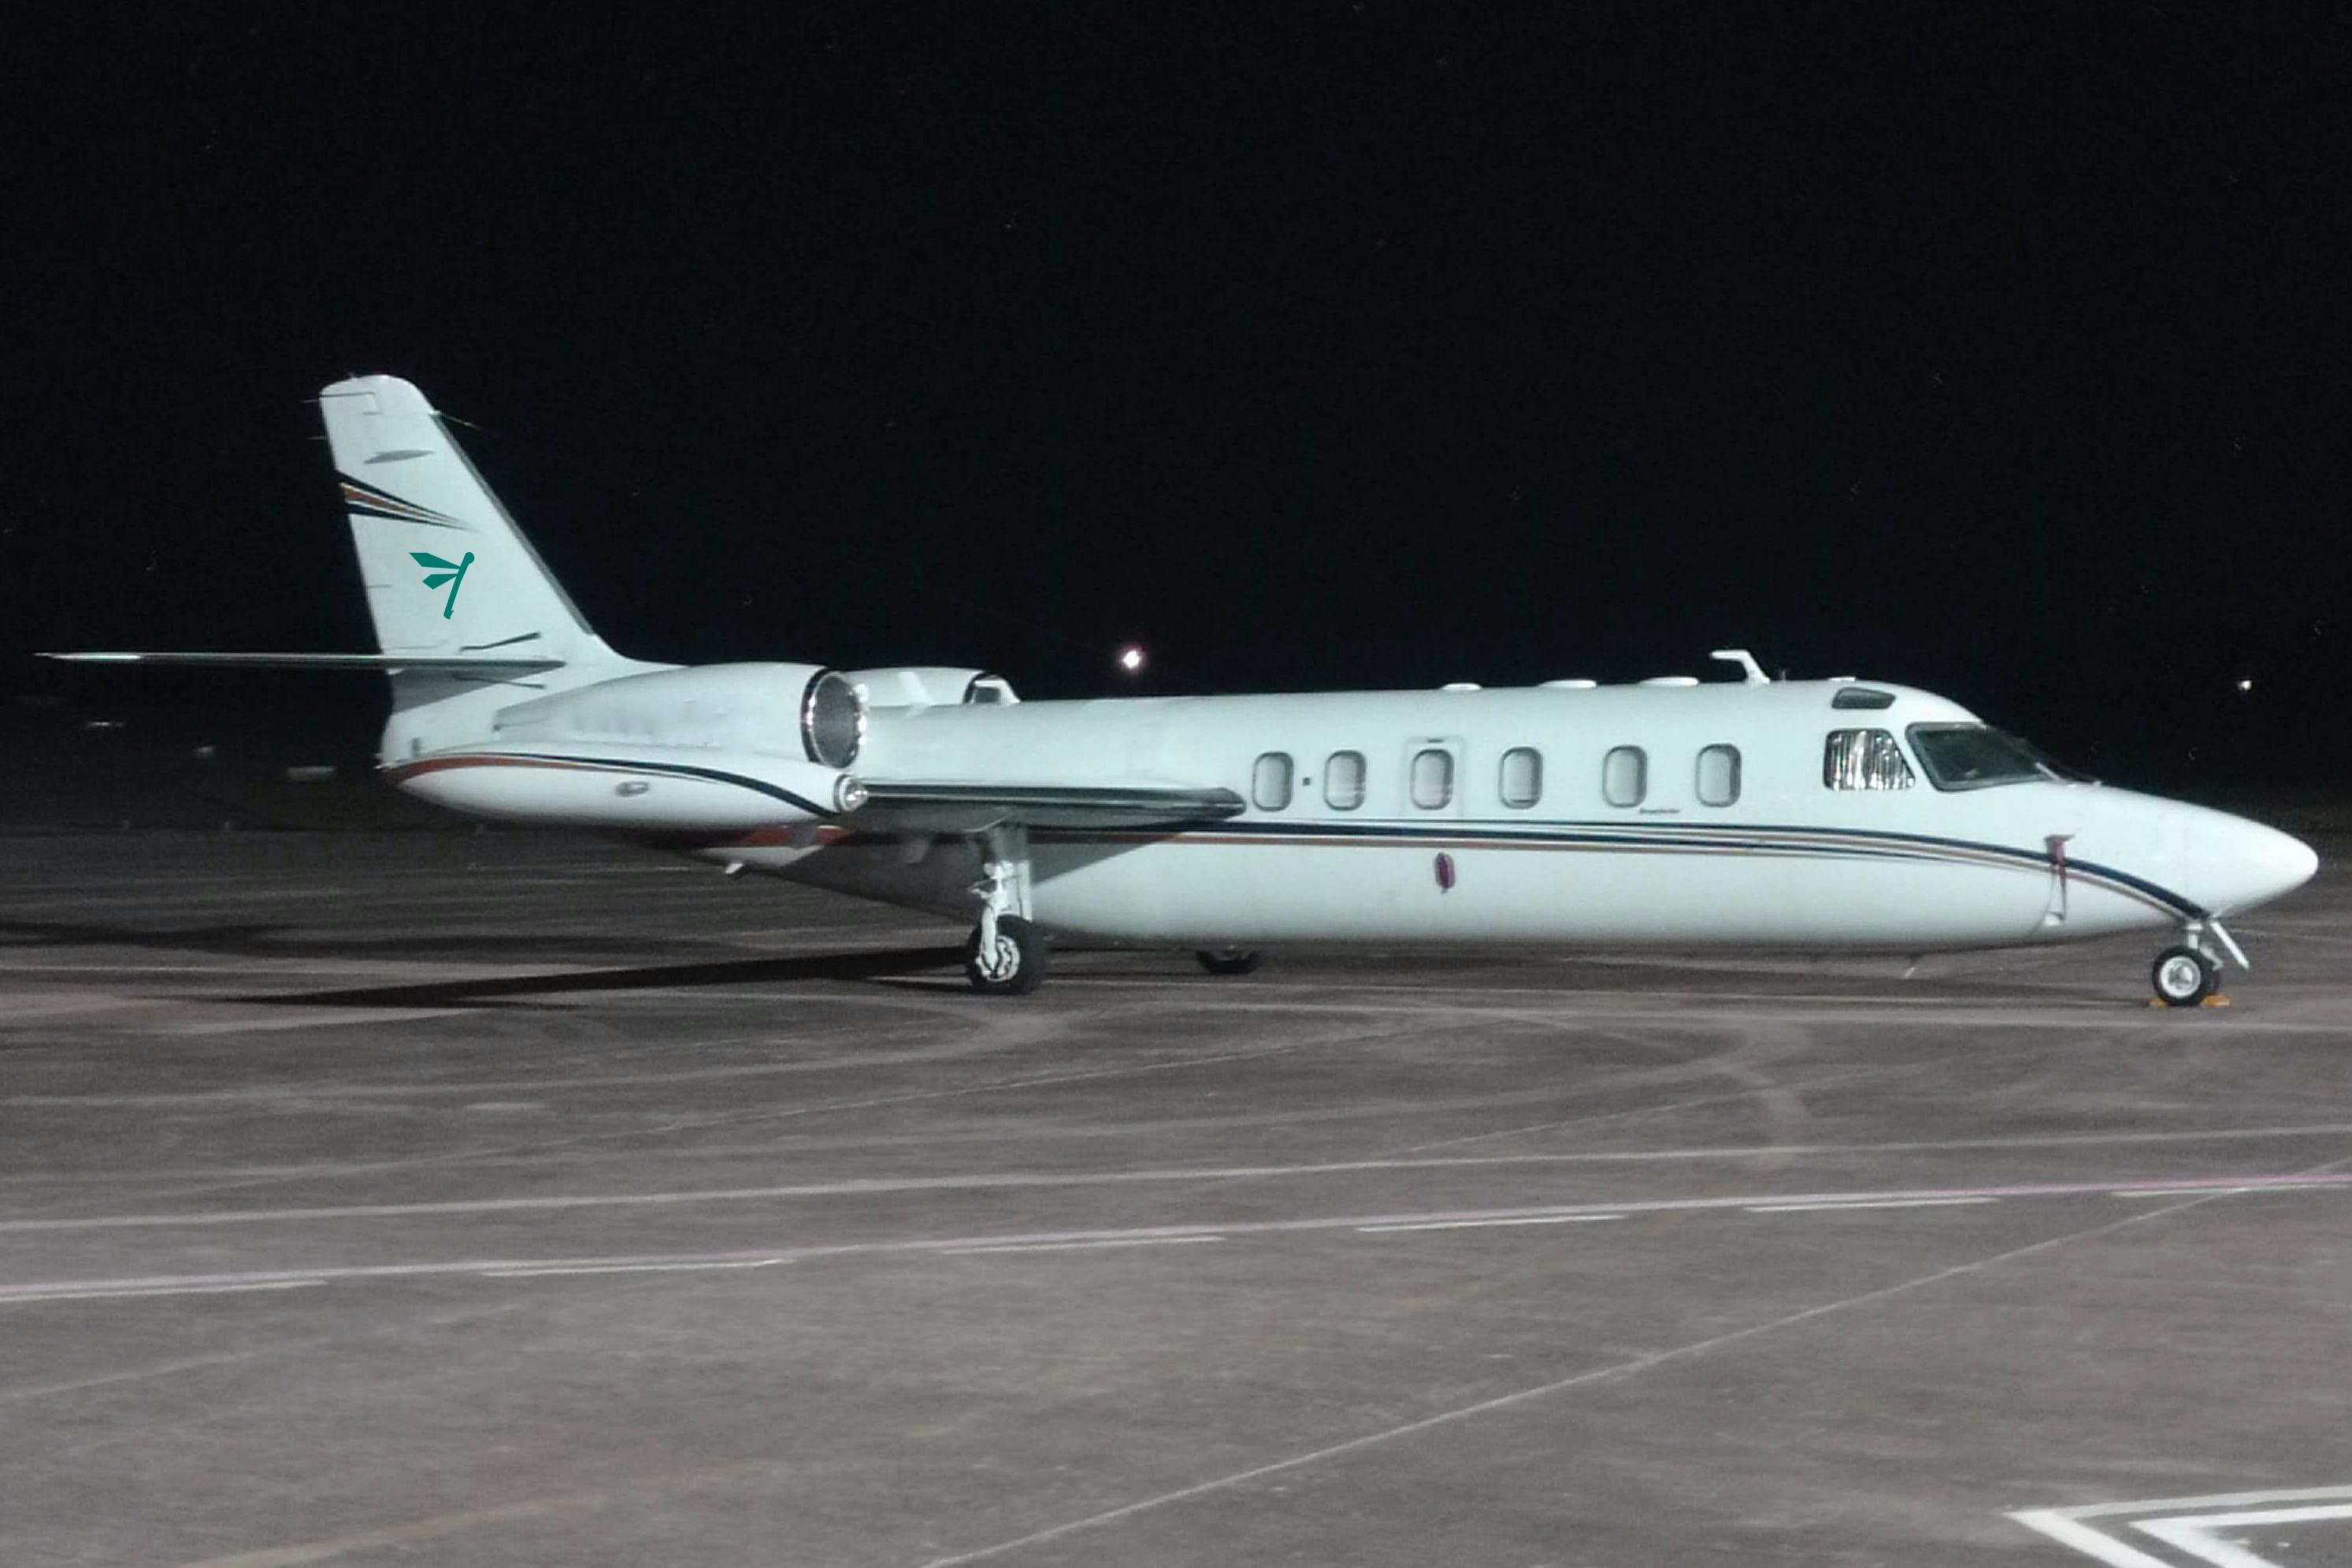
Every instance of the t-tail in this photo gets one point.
(468, 618)
(448, 574)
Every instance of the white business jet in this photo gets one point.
(1810, 814)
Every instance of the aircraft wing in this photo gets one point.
(387, 662)
(910, 806)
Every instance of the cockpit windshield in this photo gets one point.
(1978, 756)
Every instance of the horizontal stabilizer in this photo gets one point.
(386, 663)
(973, 808)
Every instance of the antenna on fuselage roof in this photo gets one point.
(1754, 672)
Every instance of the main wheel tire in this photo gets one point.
(1020, 959)
(1228, 960)
(2183, 977)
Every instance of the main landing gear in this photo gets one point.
(1009, 961)
(1005, 954)
(2189, 974)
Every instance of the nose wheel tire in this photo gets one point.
(1014, 967)
(2183, 977)
(1228, 960)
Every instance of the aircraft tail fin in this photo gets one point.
(448, 575)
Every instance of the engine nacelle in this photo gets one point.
(930, 685)
(773, 710)
(718, 747)
(634, 789)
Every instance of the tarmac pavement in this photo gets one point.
(500, 1199)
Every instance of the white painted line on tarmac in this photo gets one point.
(878, 1247)
(2060, 1527)
(1077, 1246)
(2225, 1191)
(2195, 1534)
(1868, 1204)
(631, 1268)
(2228, 1499)
(238, 1175)
(1488, 1224)
(2187, 1524)
(865, 1186)
(161, 1291)
(1883, 1197)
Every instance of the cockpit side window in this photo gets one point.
(1864, 759)
(1979, 757)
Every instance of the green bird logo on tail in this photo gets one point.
(452, 572)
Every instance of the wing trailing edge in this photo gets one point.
(973, 808)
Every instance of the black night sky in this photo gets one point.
(2002, 350)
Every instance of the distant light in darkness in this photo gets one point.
(2245, 685)
(1130, 658)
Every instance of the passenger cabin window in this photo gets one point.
(1625, 775)
(1864, 759)
(1521, 785)
(1719, 775)
(1978, 756)
(1343, 780)
(1270, 781)
(1433, 778)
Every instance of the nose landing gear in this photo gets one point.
(2184, 977)
(2189, 974)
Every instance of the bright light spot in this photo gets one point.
(1130, 658)
(2245, 685)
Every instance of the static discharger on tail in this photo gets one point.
(1809, 814)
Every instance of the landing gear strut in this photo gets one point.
(1005, 954)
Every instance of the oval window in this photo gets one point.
(1343, 780)
(1625, 776)
(1270, 781)
(1433, 778)
(1521, 785)
(1719, 775)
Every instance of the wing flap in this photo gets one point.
(946, 808)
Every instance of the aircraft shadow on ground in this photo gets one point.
(267, 942)
(490, 990)
(1317, 967)
(277, 940)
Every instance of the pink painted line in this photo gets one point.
(934, 1244)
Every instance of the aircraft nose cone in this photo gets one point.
(2291, 862)
(2238, 863)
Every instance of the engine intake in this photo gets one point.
(833, 719)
